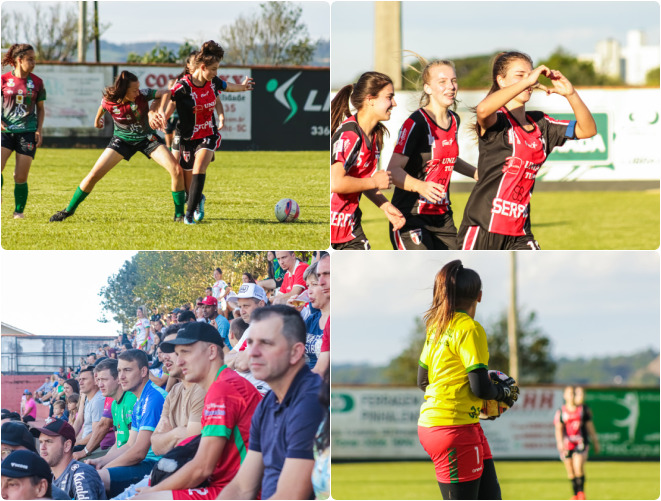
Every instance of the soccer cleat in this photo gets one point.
(60, 215)
(19, 215)
(580, 495)
(178, 219)
(199, 212)
(189, 220)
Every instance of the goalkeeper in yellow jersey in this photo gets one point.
(453, 374)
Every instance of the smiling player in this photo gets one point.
(425, 155)
(356, 143)
(513, 145)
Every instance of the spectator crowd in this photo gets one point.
(228, 399)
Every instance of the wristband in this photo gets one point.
(87, 453)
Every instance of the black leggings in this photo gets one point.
(485, 487)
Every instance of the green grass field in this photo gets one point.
(131, 208)
(518, 480)
(564, 220)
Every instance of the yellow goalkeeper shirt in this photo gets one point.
(460, 349)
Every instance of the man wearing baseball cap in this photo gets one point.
(16, 436)
(25, 476)
(78, 480)
(212, 317)
(228, 408)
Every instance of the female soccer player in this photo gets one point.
(425, 155)
(356, 143)
(453, 374)
(23, 96)
(128, 106)
(573, 431)
(513, 145)
(195, 97)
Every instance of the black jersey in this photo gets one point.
(195, 106)
(509, 159)
(432, 153)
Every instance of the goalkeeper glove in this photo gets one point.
(508, 391)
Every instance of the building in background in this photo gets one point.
(629, 63)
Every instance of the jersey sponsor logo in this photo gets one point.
(341, 219)
(532, 146)
(403, 136)
(217, 412)
(447, 142)
(203, 126)
(508, 209)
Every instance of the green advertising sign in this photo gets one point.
(627, 421)
(581, 150)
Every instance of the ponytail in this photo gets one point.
(16, 51)
(369, 84)
(187, 63)
(116, 92)
(455, 287)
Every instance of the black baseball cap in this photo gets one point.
(196, 331)
(17, 434)
(20, 464)
(185, 316)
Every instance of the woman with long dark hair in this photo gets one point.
(356, 143)
(195, 97)
(426, 154)
(453, 374)
(23, 96)
(513, 144)
(128, 105)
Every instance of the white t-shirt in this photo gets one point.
(141, 327)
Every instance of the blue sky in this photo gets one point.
(452, 29)
(588, 303)
(146, 21)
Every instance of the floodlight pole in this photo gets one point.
(388, 40)
(512, 336)
(97, 44)
(82, 29)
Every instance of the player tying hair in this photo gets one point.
(195, 97)
(23, 96)
(513, 145)
(573, 431)
(453, 374)
(356, 143)
(425, 155)
(128, 106)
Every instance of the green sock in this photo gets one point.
(77, 198)
(179, 198)
(20, 196)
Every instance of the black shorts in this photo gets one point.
(360, 241)
(188, 148)
(127, 150)
(426, 232)
(171, 125)
(23, 143)
(476, 238)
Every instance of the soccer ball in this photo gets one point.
(492, 409)
(286, 210)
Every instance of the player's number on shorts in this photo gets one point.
(477, 453)
(320, 130)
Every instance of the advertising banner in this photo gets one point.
(625, 147)
(381, 423)
(291, 109)
(236, 105)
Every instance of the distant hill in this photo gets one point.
(118, 53)
(639, 369)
